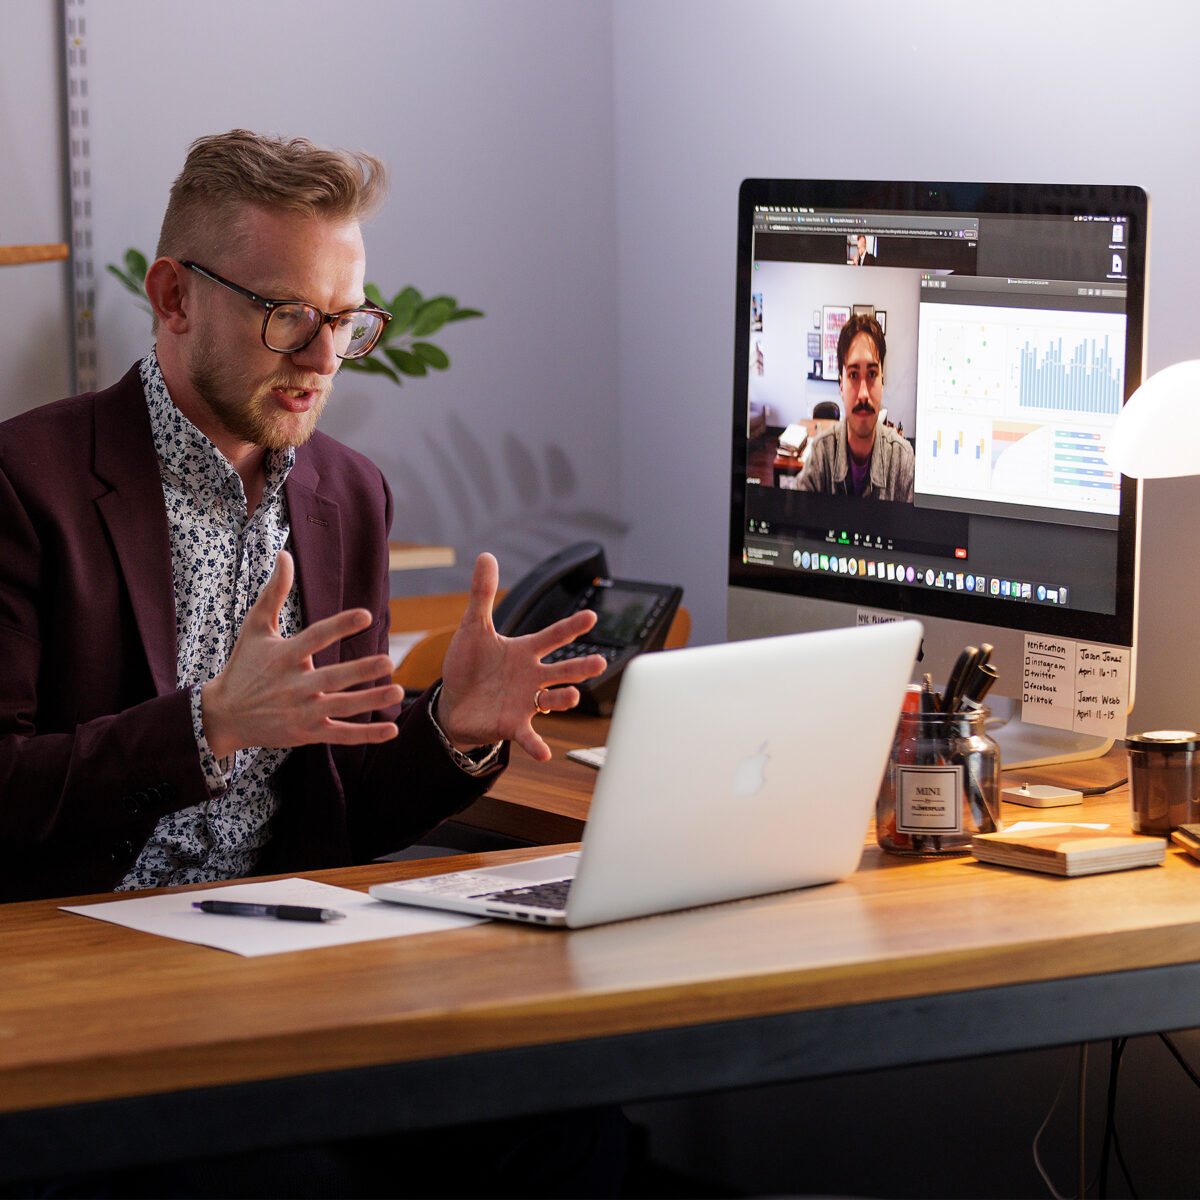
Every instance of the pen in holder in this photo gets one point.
(942, 783)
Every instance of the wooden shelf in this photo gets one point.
(11, 256)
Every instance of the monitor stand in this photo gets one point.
(1025, 746)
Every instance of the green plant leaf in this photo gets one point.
(431, 316)
(431, 355)
(455, 312)
(131, 285)
(372, 293)
(135, 260)
(124, 279)
(403, 308)
(372, 366)
(408, 364)
(407, 294)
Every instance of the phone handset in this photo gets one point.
(547, 592)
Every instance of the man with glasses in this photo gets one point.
(194, 583)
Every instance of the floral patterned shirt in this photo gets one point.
(220, 559)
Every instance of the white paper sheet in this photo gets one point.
(366, 919)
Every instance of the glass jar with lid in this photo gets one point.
(941, 786)
(1164, 780)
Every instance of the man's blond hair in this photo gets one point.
(226, 173)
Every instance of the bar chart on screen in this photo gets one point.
(1071, 374)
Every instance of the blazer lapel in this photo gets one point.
(136, 518)
(316, 542)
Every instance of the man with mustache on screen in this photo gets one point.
(860, 456)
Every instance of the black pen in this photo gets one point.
(281, 912)
(959, 675)
(979, 685)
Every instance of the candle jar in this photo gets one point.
(942, 784)
(1164, 780)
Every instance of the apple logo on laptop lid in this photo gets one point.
(750, 774)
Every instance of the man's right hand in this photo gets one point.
(270, 694)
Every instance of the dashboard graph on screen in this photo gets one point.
(1015, 405)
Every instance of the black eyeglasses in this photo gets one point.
(290, 325)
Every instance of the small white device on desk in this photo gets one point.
(1041, 795)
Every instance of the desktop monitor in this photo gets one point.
(1012, 322)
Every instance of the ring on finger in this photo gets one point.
(537, 702)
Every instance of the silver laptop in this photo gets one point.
(731, 771)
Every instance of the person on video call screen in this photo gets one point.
(860, 456)
(860, 256)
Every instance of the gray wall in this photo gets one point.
(571, 167)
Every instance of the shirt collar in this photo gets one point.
(191, 456)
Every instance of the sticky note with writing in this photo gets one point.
(1047, 681)
(1101, 689)
(1081, 686)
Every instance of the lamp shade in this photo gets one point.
(1157, 433)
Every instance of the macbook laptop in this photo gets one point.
(731, 770)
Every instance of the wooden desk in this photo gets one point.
(117, 1046)
(413, 556)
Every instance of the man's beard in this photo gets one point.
(244, 407)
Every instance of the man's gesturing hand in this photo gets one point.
(492, 685)
(270, 694)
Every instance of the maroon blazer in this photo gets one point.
(96, 741)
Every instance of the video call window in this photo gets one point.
(1004, 372)
(1018, 382)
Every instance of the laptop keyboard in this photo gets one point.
(551, 895)
(452, 885)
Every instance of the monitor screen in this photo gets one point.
(925, 376)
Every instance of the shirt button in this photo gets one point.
(135, 801)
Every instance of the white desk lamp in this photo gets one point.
(1157, 434)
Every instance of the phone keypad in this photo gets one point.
(578, 648)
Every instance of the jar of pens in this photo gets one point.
(942, 782)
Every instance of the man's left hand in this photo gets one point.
(492, 685)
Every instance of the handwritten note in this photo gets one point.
(1081, 686)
